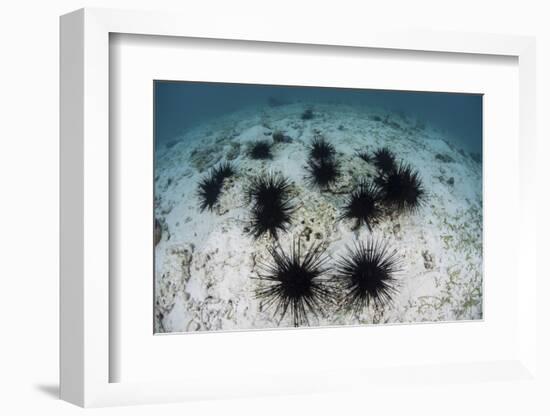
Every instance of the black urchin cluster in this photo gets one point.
(366, 275)
(271, 205)
(210, 186)
(322, 167)
(296, 284)
(397, 188)
(306, 285)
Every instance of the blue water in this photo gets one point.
(182, 105)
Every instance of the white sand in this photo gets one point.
(205, 262)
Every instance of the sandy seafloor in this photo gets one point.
(205, 261)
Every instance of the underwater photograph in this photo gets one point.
(289, 206)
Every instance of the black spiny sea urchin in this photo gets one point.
(322, 167)
(322, 173)
(320, 149)
(224, 171)
(363, 205)
(260, 150)
(402, 189)
(384, 160)
(366, 275)
(271, 204)
(295, 284)
(210, 186)
(209, 191)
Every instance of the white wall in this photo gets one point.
(29, 208)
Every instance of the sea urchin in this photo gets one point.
(322, 173)
(225, 170)
(320, 149)
(271, 204)
(210, 186)
(366, 275)
(295, 284)
(260, 150)
(402, 189)
(363, 205)
(384, 160)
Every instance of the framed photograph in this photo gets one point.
(287, 206)
(260, 214)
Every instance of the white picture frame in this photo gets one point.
(85, 213)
